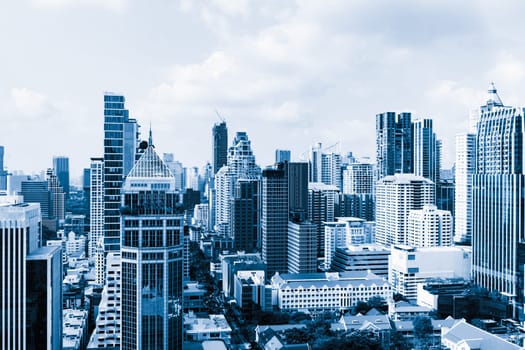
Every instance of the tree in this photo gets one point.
(423, 332)
(377, 302)
(361, 307)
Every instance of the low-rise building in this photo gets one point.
(373, 257)
(206, 328)
(193, 296)
(377, 324)
(327, 291)
(403, 311)
(409, 266)
(74, 336)
(462, 335)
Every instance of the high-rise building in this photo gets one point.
(315, 163)
(297, 174)
(86, 184)
(240, 165)
(220, 145)
(96, 212)
(429, 227)
(244, 216)
(357, 199)
(120, 143)
(57, 194)
(302, 247)
(61, 168)
(498, 234)
(274, 219)
(394, 144)
(38, 192)
(3, 172)
(427, 150)
(331, 169)
(465, 168)
(152, 249)
(44, 298)
(396, 196)
(282, 155)
(30, 297)
(322, 201)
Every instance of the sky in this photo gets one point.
(289, 73)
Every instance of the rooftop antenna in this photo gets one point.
(220, 117)
(150, 139)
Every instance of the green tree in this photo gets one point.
(423, 332)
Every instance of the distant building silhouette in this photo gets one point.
(61, 167)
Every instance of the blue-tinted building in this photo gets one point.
(394, 144)
(3, 173)
(61, 167)
(120, 145)
(152, 253)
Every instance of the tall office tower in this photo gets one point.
(96, 212)
(331, 169)
(28, 313)
(445, 195)
(244, 218)
(61, 167)
(322, 200)
(427, 150)
(315, 163)
(274, 220)
(220, 145)
(358, 196)
(282, 155)
(192, 178)
(86, 183)
(297, 175)
(465, 169)
(38, 192)
(177, 169)
(152, 249)
(429, 227)
(44, 298)
(107, 325)
(302, 247)
(497, 199)
(3, 172)
(394, 144)
(396, 196)
(57, 194)
(240, 165)
(120, 143)
(335, 237)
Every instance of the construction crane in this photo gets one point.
(220, 117)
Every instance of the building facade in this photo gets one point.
(61, 167)
(302, 247)
(394, 144)
(220, 145)
(429, 227)
(427, 150)
(465, 168)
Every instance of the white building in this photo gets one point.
(358, 178)
(96, 203)
(364, 257)
(409, 266)
(465, 167)
(429, 227)
(396, 196)
(75, 246)
(331, 169)
(302, 247)
(330, 291)
(107, 326)
(200, 215)
(334, 237)
(213, 327)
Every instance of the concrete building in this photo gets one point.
(396, 196)
(302, 247)
(213, 327)
(96, 213)
(220, 145)
(463, 335)
(409, 266)
(465, 167)
(61, 168)
(232, 263)
(427, 150)
(282, 155)
(367, 257)
(330, 291)
(394, 144)
(429, 227)
(322, 201)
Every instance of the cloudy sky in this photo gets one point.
(289, 73)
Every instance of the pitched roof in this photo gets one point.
(150, 165)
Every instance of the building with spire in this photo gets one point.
(498, 234)
(152, 250)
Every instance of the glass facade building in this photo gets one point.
(152, 257)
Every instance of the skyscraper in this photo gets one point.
(315, 163)
(61, 167)
(57, 194)
(3, 172)
(220, 145)
(30, 276)
(396, 196)
(240, 165)
(96, 212)
(427, 150)
(322, 200)
(331, 169)
(274, 220)
(394, 144)
(244, 218)
(152, 257)
(282, 155)
(302, 247)
(297, 175)
(498, 233)
(357, 199)
(120, 143)
(429, 227)
(465, 168)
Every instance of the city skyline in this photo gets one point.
(340, 72)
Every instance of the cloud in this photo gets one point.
(31, 104)
(111, 5)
